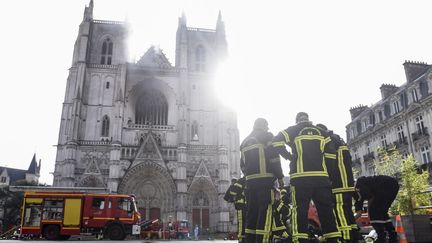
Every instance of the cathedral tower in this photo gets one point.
(148, 127)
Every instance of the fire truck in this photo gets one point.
(173, 230)
(58, 215)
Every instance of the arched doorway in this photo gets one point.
(153, 188)
(202, 203)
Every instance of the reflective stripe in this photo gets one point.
(309, 173)
(332, 235)
(330, 155)
(285, 134)
(380, 221)
(341, 189)
(233, 193)
(250, 231)
(262, 162)
(294, 219)
(280, 206)
(238, 185)
(342, 169)
(278, 144)
(239, 224)
(343, 224)
(299, 155)
(343, 147)
(255, 176)
(354, 226)
(253, 146)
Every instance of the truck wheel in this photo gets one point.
(51, 232)
(115, 232)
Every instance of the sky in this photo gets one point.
(321, 57)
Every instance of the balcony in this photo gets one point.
(419, 134)
(369, 157)
(148, 127)
(400, 143)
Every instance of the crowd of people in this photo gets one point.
(320, 173)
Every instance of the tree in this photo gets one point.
(412, 181)
(12, 202)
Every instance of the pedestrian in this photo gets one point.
(235, 194)
(308, 176)
(196, 232)
(342, 180)
(261, 170)
(380, 192)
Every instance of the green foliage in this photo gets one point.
(412, 181)
(12, 202)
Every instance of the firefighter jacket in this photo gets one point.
(368, 187)
(342, 175)
(308, 145)
(235, 194)
(259, 162)
(282, 206)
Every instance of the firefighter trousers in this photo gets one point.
(279, 229)
(259, 215)
(344, 215)
(323, 200)
(378, 213)
(241, 217)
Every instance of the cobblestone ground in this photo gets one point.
(134, 241)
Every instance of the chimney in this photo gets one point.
(356, 110)
(387, 90)
(413, 70)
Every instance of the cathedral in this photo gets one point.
(148, 127)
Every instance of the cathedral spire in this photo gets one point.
(220, 25)
(88, 12)
(182, 20)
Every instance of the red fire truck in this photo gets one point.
(174, 230)
(58, 215)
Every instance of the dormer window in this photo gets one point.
(396, 108)
(107, 50)
(414, 95)
(200, 59)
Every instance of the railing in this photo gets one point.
(369, 156)
(96, 21)
(201, 29)
(94, 142)
(153, 127)
(103, 66)
(420, 133)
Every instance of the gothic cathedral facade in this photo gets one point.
(150, 128)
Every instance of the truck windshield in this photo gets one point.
(134, 206)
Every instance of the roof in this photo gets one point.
(14, 174)
(33, 168)
(154, 57)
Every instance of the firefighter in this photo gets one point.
(261, 171)
(281, 213)
(308, 176)
(235, 194)
(342, 187)
(380, 192)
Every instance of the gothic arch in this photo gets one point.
(91, 181)
(202, 202)
(203, 184)
(153, 187)
(136, 91)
